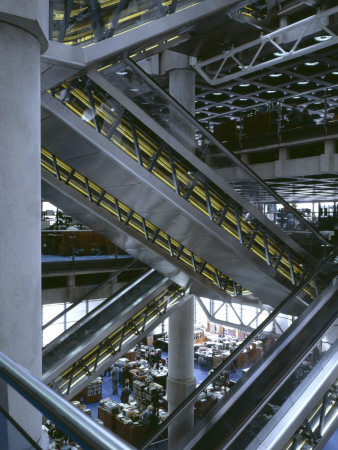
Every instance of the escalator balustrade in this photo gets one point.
(152, 234)
(109, 118)
(92, 362)
(83, 22)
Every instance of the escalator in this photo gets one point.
(292, 426)
(90, 346)
(228, 414)
(254, 392)
(175, 192)
(92, 205)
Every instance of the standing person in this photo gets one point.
(149, 418)
(125, 393)
(115, 375)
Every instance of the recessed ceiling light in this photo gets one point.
(245, 84)
(217, 93)
(323, 38)
(243, 99)
(270, 92)
(121, 72)
(275, 75)
(312, 63)
(302, 82)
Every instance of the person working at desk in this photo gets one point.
(149, 418)
(125, 393)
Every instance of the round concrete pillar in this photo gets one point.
(181, 381)
(182, 88)
(20, 221)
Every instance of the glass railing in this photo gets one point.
(130, 79)
(118, 342)
(67, 426)
(304, 369)
(229, 369)
(153, 235)
(128, 134)
(84, 22)
(77, 310)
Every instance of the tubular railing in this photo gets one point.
(75, 424)
(151, 233)
(244, 345)
(116, 343)
(108, 117)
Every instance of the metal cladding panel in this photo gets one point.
(91, 215)
(101, 161)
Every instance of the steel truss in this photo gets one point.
(233, 58)
(211, 316)
(151, 234)
(109, 118)
(99, 20)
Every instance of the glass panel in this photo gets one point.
(87, 22)
(274, 404)
(140, 143)
(129, 80)
(254, 347)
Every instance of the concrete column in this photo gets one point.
(21, 40)
(181, 381)
(182, 88)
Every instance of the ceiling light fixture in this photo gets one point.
(243, 99)
(217, 93)
(312, 63)
(121, 72)
(335, 73)
(134, 89)
(275, 75)
(279, 53)
(323, 38)
(271, 92)
(302, 82)
(245, 84)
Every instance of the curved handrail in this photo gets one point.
(170, 419)
(181, 110)
(77, 425)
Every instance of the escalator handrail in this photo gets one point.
(77, 425)
(65, 311)
(229, 154)
(188, 400)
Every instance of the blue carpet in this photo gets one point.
(200, 375)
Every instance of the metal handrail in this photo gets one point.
(73, 422)
(65, 311)
(181, 110)
(238, 350)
